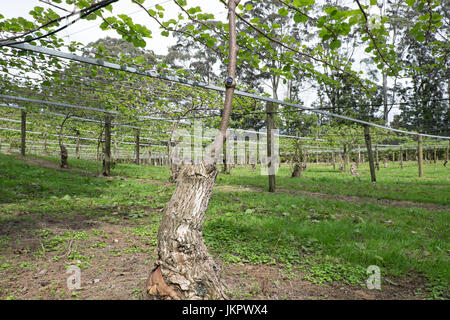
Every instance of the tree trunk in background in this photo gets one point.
(369, 153)
(446, 154)
(358, 159)
(137, 147)
(344, 158)
(385, 111)
(377, 163)
(45, 143)
(23, 132)
(184, 269)
(270, 155)
(63, 150)
(333, 160)
(77, 146)
(106, 170)
(401, 157)
(420, 156)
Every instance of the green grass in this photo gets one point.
(392, 182)
(327, 240)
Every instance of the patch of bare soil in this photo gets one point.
(270, 283)
(115, 264)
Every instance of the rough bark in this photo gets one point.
(64, 155)
(184, 262)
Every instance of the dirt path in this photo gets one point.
(51, 165)
(118, 263)
(339, 197)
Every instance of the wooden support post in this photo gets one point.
(150, 155)
(107, 163)
(401, 157)
(77, 146)
(116, 155)
(23, 131)
(333, 160)
(270, 126)
(45, 143)
(137, 146)
(359, 156)
(446, 154)
(369, 153)
(420, 156)
(376, 157)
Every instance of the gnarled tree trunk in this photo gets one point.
(184, 269)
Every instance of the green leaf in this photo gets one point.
(335, 44)
(420, 37)
(283, 12)
(300, 18)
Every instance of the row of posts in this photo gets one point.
(270, 126)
